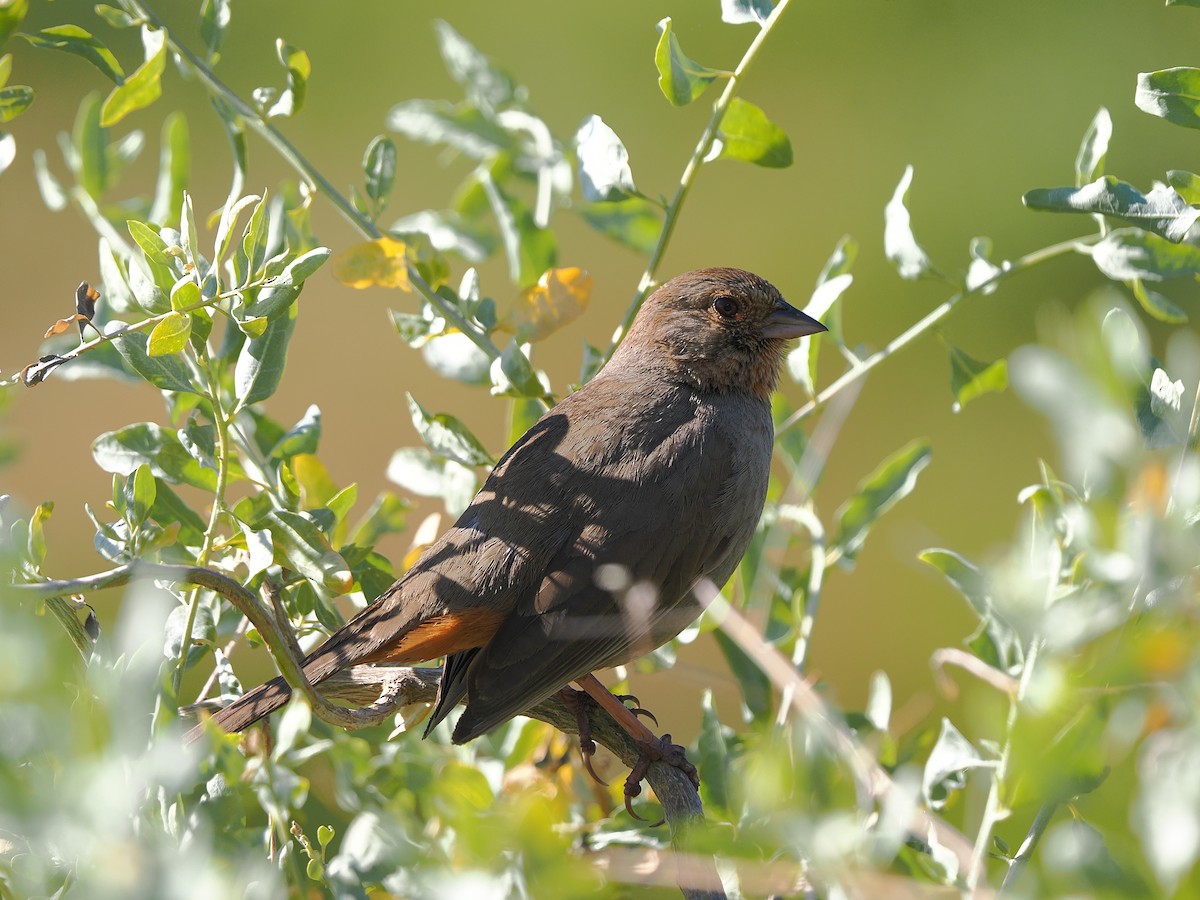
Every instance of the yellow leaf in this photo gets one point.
(559, 297)
(63, 324)
(378, 263)
(427, 532)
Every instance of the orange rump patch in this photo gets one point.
(441, 635)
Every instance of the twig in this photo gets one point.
(855, 372)
(391, 688)
(646, 283)
(873, 783)
(1019, 862)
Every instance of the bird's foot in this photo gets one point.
(657, 750)
(577, 702)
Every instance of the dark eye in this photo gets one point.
(726, 306)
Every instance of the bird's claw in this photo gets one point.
(662, 750)
(637, 708)
(587, 746)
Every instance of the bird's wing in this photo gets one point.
(464, 584)
(661, 528)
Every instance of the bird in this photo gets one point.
(586, 544)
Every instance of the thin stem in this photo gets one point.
(994, 810)
(646, 283)
(222, 450)
(1019, 862)
(254, 119)
(940, 312)
(59, 359)
(297, 161)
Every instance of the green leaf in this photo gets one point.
(752, 681)
(275, 104)
(122, 451)
(982, 271)
(448, 232)
(1089, 162)
(254, 239)
(713, 745)
(417, 471)
(167, 373)
(11, 16)
(1171, 94)
(741, 12)
(946, 770)
(379, 167)
(523, 413)
(139, 494)
(514, 376)
(530, 248)
(73, 39)
(203, 632)
(151, 242)
(90, 141)
(169, 508)
(464, 128)
(680, 79)
(14, 100)
(174, 165)
(634, 222)
(1162, 211)
(53, 194)
(300, 545)
(261, 360)
(214, 20)
(185, 295)
(294, 724)
(1156, 304)
(116, 18)
(5, 68)
(1166, 812)
(802, 361)
(226, 228)
(1129, 253)
(971, 378)
(170, 335)
(746, 133)
(447, 437)
(604, 172)
(899, 244)
(996, 643)
(486, 86)
(1186, 183)
(142, 87)
(277, 297)
(303, 437)
(880, 491)
(387, 515)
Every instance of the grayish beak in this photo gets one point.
(785, 321)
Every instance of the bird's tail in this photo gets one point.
(248, 709)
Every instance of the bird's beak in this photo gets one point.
(785, 321)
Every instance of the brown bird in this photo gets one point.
(585, 544)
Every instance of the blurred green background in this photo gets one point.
(985, 100)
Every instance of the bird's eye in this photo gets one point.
(726, 306)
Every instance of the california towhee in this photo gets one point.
(585, 544)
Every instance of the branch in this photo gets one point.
(647, 281)
(861, 368)
(389, 688)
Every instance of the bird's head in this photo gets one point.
(718, 329)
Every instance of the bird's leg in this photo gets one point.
(652, 747)
(576, 702)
